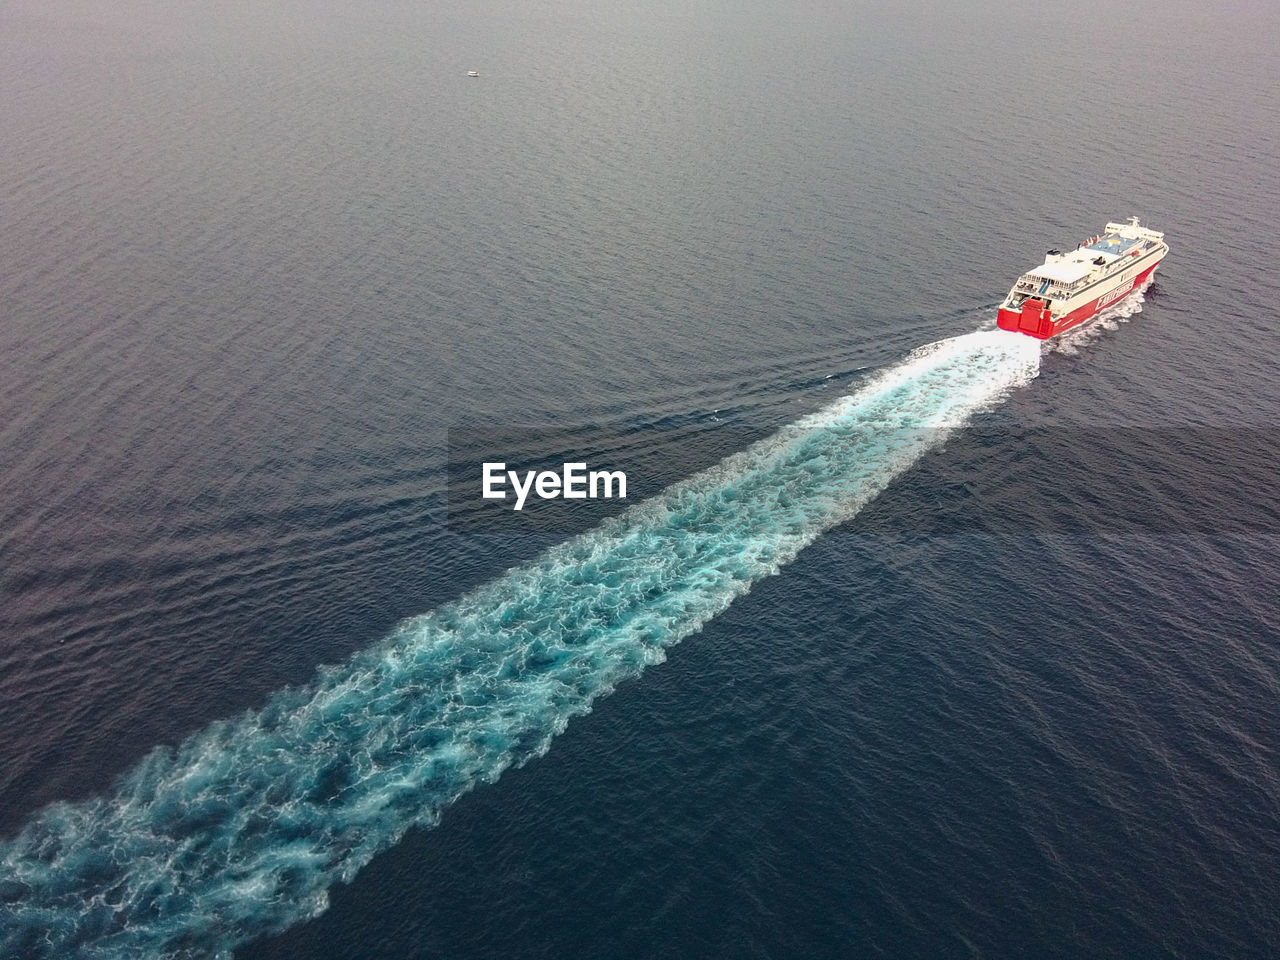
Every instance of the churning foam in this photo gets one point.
(242, 829)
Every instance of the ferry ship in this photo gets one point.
(1069, 288)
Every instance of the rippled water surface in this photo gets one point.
(260, 258)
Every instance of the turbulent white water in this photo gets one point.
(242, 829)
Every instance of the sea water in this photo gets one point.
(261, 258)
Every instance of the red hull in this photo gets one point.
(1034, 319)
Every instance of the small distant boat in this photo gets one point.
(473, 73)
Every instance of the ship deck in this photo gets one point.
(1113, 243)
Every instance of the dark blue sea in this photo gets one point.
(913, 639)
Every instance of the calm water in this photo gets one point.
(259, 259)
